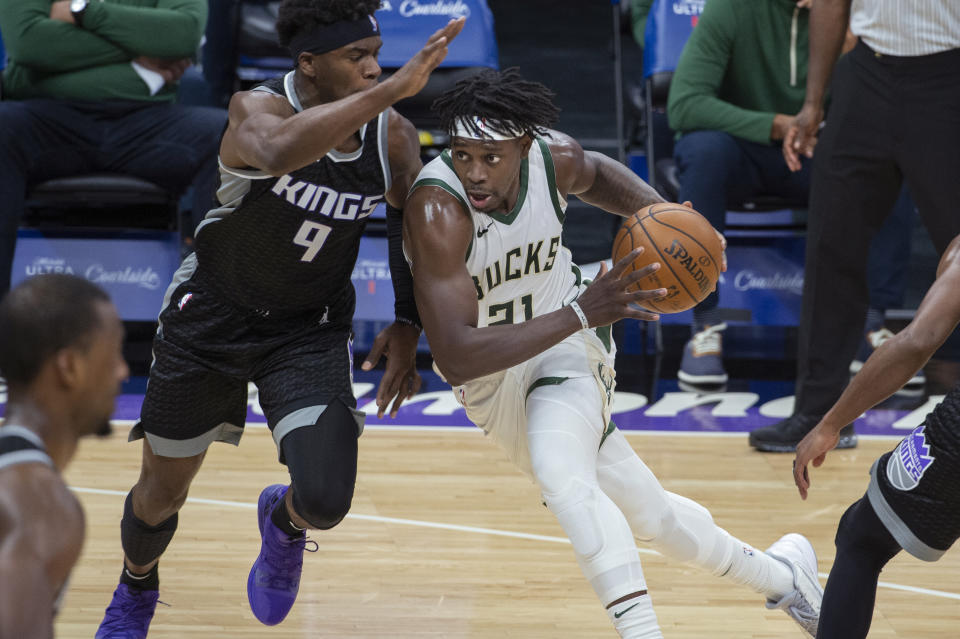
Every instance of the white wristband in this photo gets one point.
(580, 315)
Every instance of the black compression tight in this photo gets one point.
(322, 459)
(864, 546)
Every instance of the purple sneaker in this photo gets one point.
(275, 576)
(129, 613)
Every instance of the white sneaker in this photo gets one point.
(803, 604)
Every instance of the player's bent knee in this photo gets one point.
(860, 533)
(324, 509)
(575, 506)
(322, 459)
(685, 529)
(650, 524)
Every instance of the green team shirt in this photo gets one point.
(53, 59)
(745, 61)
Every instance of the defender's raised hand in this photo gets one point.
(413, 76)
(611, 297)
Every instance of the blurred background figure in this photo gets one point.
(63, 374)
(91, 87)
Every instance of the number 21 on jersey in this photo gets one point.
(311, 236)
(503, 313)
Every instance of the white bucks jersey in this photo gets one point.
(518, 265)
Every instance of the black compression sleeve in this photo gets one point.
(404, 305)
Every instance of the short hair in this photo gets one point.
(498, 96)
(297, 16)
(42, 316)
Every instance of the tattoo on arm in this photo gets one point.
(617, 189)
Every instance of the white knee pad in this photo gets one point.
(676, 526)
(633, 488)
(600, 537)
(575, 507)
(689, 535)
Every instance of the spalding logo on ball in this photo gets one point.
(684, 243)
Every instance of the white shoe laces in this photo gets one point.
(878, 337)
(707, 341)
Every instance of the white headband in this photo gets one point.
(462, 130)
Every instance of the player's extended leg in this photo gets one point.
(685, 531)
(864, 546)
(149, 521)
(563, 436)
(322, 459)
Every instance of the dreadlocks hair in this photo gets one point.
(499, 97)
(297, 16)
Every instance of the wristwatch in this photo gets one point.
(78, 8)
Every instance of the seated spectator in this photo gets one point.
(742, 71)
(90, 86)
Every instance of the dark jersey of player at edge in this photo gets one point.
(288, 244)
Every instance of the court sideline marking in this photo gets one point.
(482, 531)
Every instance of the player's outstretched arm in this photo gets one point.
(597, 179)
(890, 366)
(41, 534)
(437, 234)
(264, 132)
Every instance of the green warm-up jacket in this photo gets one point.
(54, 59)
(745, 61)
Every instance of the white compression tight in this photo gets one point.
(564, 426)
(680, 528)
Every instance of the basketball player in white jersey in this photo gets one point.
(526, 344)
(60, 352)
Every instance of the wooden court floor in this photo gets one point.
(445, 539)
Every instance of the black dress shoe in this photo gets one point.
(784, 436)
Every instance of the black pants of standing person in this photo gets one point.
(172, 145)
(891, 119)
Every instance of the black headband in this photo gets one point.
(327, 37)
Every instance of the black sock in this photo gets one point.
(147, 581)
(281, 519)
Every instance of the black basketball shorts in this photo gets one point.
(915, 488)
(207, 350)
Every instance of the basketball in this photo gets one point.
(684, 243)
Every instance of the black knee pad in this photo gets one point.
(142, 543)
(322, 460)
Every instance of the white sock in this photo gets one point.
(756, 570)
(635, 619)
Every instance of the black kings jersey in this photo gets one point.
(289, 243)
(19, 445)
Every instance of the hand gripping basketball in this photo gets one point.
(613, 294)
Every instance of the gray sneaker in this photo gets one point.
(803, 604)
(702, 361)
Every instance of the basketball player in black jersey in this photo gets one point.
(913, 499)
(60, 353)
(267, 297)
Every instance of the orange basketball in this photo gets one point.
(686, 246)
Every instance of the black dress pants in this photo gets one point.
(891, 119)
